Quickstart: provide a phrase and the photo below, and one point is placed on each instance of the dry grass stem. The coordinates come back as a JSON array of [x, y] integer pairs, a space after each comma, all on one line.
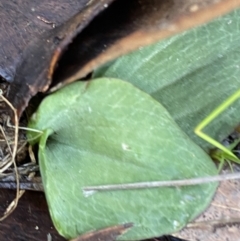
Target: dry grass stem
[[23, 128], [6, 140], [4, 162], [13, 152], [32, 174]]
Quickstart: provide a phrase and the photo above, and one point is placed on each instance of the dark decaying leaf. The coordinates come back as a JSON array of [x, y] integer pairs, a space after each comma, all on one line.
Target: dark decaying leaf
[[128, 25], [22, 21], [122, 27], [38, 60]]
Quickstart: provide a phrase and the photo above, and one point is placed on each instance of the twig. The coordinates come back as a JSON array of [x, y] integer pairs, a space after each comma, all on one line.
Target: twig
[[22, 170], [214, 223], [31, 185], [225, 207], [155, 184]]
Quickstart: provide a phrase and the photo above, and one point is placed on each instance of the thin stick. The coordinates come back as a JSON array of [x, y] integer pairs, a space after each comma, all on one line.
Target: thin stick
[[23, 185], [225, 207], [22, 170], [213, 223], [155, 184], [13, 205]]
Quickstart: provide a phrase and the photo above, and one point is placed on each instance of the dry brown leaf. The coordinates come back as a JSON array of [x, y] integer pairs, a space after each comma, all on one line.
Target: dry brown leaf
[[106, 234]]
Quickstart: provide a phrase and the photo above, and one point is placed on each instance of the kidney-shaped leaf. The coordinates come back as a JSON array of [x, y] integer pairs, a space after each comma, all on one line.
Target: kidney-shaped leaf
[[109, 132]]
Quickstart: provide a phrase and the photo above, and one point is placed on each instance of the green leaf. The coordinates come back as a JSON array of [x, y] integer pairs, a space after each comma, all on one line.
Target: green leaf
[[110, 132], [190, 74]]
